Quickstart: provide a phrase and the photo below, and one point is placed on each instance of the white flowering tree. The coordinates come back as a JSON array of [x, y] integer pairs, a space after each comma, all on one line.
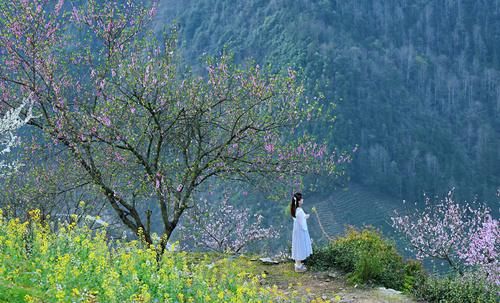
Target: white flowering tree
[[223, 227], [10, 122]]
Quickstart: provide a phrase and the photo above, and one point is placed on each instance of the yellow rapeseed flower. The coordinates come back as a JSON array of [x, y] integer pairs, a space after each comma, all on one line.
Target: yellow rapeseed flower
[[75, 292], [34, 214], [60, 295], [240, 290], [220, 295]]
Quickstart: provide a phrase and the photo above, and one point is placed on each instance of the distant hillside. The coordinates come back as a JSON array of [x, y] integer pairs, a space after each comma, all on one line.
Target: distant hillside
[[417, 82]]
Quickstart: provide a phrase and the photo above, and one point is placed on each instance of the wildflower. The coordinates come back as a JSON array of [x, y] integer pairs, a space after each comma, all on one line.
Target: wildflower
[[75, 292], [220, 295]]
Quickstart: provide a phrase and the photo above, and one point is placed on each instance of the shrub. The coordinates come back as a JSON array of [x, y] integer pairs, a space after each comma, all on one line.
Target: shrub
[[367, 257], [414, 275], [460, 289]]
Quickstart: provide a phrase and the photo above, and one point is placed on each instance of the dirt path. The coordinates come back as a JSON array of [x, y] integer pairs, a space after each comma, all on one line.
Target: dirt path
[[329, 286]]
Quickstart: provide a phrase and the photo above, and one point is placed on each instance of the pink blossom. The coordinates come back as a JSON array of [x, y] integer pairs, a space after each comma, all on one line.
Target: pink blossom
[[222, 227], [269, 147], [102, 83], [179, 188], [105, 120], [59, 124], [460, 234], [58, 6], [15, 28], [110, 26], [119, 158], [75, 14], [158, 180], [154, 9]]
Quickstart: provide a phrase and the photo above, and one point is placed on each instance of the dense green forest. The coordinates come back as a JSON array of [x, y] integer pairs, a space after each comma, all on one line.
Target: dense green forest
[[416, 83]]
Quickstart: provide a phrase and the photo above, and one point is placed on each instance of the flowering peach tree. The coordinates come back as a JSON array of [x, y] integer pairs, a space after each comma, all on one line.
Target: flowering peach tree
[[223, 227], [111, 94], [461, 234]]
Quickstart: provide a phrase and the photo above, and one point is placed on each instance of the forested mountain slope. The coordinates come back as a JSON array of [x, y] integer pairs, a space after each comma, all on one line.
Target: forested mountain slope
[[417, 83]]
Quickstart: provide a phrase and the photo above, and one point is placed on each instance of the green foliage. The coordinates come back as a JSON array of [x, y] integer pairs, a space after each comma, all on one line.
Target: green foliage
[[459, 289], [367, 257], [414, 275], [11, 293]]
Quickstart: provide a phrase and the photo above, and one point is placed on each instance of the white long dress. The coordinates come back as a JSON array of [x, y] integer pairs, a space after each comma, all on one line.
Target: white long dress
[[301, 242]]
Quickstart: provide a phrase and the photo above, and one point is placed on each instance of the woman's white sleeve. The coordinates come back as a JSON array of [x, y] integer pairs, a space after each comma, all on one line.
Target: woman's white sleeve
[[301, 218]]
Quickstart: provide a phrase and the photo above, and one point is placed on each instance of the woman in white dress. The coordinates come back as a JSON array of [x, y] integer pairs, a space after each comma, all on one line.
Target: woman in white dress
[[301, 242]]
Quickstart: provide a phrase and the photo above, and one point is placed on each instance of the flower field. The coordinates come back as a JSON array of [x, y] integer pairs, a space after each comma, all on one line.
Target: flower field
[[75, 264]]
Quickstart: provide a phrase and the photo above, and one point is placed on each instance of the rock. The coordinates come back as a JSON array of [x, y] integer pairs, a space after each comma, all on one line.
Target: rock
[[333, 275], [389, 291], [324, 297], [327, 280], [268, 260], [232, 257]]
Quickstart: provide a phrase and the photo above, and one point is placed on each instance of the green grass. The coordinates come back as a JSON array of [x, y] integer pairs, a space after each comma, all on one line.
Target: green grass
[[14, 293]]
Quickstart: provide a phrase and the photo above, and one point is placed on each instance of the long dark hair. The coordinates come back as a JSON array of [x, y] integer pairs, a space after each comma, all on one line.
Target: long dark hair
[[295, 203]]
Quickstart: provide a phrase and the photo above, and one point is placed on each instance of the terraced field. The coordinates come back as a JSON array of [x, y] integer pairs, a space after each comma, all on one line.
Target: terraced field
[[355, 206]]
